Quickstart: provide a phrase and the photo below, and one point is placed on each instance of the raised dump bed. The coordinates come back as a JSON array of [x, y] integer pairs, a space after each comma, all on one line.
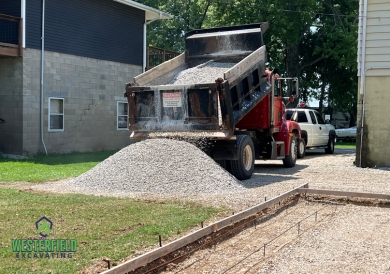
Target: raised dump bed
[[208, 88]]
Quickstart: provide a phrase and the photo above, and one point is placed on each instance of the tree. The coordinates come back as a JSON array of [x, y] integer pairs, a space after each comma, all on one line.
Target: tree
[[187, 15], [308, 39]]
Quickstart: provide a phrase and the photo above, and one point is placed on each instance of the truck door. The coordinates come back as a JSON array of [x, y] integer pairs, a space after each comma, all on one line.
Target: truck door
[[324, 131], [303, 120], [316, 130]]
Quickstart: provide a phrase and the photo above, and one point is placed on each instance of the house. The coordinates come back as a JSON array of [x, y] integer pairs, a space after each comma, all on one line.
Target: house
[[63, 70], [373, 139]]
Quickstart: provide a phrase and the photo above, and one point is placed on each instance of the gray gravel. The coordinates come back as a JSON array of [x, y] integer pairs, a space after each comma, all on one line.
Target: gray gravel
[[319, 170], [202, 74], [159, 166]]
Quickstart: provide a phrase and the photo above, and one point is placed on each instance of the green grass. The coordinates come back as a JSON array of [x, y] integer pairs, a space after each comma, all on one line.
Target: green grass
[[44, 168], [103, 226], [350, 145]]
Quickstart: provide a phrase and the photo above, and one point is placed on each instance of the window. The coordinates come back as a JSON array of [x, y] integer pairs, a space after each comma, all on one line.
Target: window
[[302, 117], [292, 115], [313, 118], [319, 118], [121, 115], [56, 114]]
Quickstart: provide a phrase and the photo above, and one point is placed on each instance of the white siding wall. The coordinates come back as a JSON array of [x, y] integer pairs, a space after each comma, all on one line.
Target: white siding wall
[[377, 38]]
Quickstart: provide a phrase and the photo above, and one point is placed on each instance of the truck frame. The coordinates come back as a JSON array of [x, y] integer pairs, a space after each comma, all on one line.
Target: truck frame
[[241, 114]]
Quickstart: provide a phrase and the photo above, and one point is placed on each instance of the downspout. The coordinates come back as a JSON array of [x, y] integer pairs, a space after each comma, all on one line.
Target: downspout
[[363, 77], [144, 53], [42, 70], [23, 16]]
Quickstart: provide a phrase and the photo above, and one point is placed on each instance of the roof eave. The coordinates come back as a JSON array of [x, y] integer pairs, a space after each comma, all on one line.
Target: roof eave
[[151, 14]]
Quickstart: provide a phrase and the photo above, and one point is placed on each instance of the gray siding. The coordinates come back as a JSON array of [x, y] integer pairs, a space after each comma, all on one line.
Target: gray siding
[[101, 29], [33, 23], [377, 53]]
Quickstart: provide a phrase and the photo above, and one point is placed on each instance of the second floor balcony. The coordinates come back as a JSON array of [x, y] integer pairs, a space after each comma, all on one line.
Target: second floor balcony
[[11, 36]]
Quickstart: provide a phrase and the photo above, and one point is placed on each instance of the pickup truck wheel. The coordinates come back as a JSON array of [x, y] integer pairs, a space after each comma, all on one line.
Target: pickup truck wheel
[[301, 148], [291, 159], [243, 168], [330, 148]]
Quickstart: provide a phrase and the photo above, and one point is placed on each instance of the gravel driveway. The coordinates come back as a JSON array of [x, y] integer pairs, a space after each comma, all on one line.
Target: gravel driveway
[[352, 239], [319, 170]]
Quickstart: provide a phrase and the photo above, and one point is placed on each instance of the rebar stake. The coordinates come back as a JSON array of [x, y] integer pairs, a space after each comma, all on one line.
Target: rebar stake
[[159, 240], [107, 260]]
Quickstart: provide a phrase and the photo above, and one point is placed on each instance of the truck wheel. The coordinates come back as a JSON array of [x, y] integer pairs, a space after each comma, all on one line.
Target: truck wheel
[[291, 159], [301, 148], [330, 148], [225, 164], [243, 168]]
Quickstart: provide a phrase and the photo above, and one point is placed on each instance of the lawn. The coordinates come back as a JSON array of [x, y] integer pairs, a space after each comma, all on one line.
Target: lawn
[[53, 167], [351, 145], [102, 226]]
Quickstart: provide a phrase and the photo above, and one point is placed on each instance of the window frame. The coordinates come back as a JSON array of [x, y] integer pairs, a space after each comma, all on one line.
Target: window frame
[[49, 114], [122, 115]]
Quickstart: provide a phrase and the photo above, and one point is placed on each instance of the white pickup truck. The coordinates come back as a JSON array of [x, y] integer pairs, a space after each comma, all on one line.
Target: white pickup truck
[[316, 133]]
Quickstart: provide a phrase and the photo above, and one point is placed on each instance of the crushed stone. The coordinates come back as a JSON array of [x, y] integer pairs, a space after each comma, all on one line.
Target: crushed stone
[[160, 166]]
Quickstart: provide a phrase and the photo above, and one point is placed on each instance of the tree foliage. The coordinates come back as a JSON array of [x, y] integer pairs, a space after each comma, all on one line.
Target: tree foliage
[[313, 40]]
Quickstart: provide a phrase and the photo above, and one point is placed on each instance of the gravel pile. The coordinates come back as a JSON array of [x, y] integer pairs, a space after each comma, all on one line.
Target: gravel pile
[[335, 172], [159, 166], [202, 74]]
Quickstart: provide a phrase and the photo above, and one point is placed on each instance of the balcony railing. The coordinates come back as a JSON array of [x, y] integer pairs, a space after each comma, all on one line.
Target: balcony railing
[[156, 56], [11, 35]]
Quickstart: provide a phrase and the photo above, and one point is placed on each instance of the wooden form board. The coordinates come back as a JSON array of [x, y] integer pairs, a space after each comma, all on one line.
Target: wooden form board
[[248, 62], [165, 250], [344, 193], [160, 70]]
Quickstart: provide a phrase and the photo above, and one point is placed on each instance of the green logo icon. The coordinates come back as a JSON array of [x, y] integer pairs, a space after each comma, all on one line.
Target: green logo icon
[[44, 226]]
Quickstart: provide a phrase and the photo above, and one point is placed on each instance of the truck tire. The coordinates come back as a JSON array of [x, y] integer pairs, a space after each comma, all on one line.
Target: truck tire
[[225, 164], [243, 168], [291, 159], [330, 147], [301, 148]]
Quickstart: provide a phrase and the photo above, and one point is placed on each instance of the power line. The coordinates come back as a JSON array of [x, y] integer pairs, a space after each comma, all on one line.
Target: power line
[[334, 14]]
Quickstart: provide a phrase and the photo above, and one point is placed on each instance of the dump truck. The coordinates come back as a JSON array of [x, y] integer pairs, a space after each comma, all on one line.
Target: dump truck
[[240, 111]]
